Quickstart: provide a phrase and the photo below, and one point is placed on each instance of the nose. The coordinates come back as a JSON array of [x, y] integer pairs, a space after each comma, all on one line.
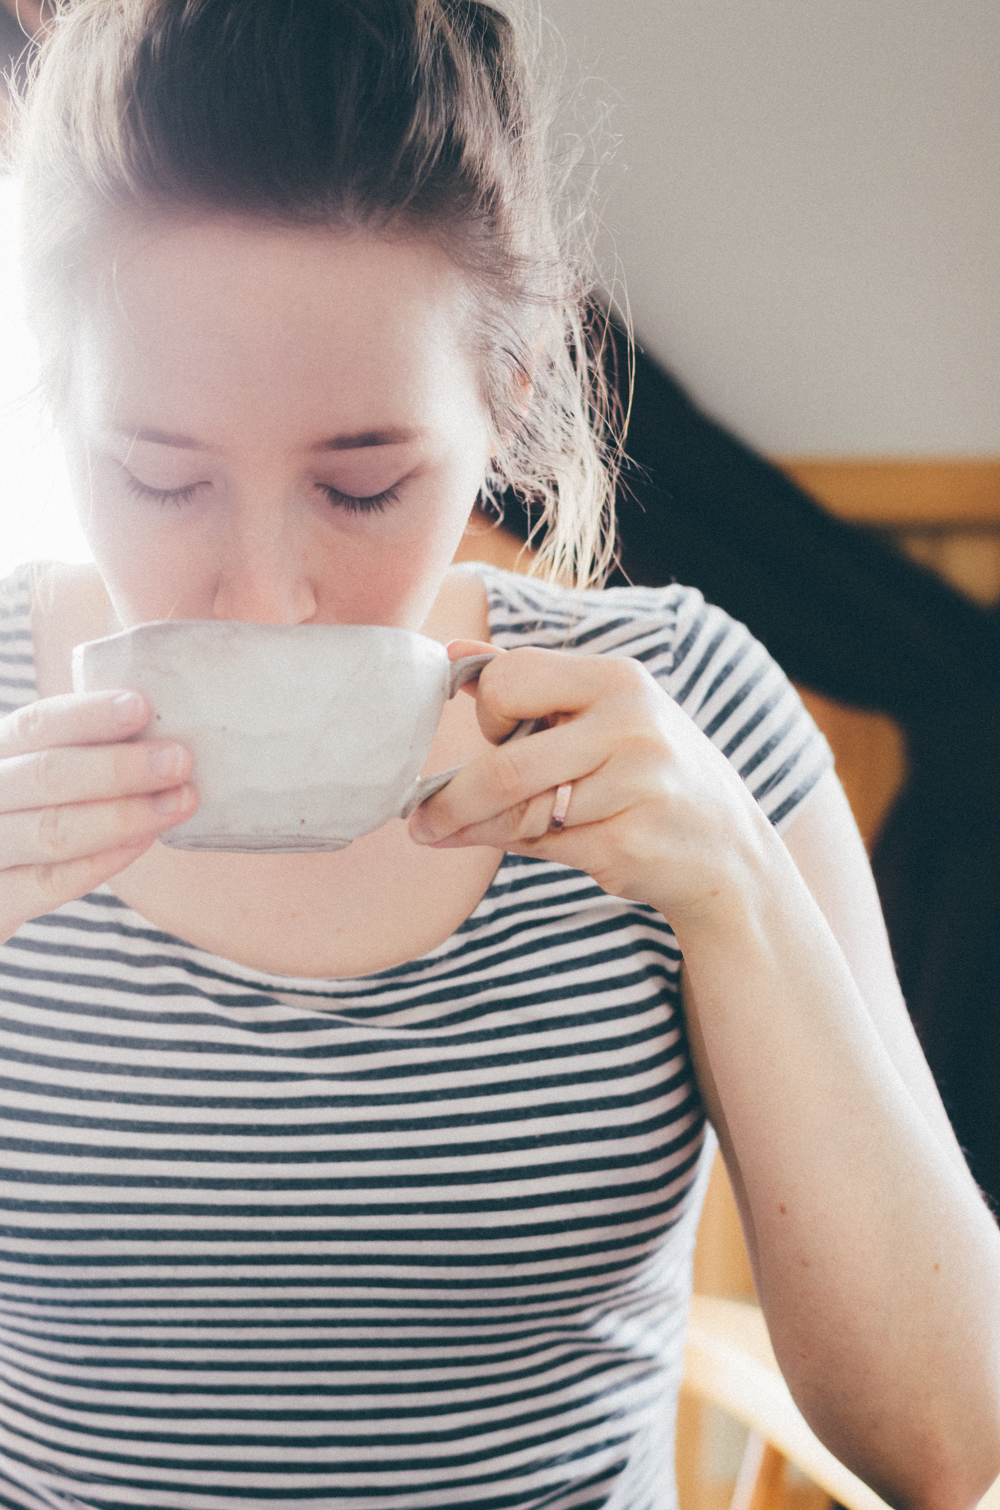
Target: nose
[[263, 575]]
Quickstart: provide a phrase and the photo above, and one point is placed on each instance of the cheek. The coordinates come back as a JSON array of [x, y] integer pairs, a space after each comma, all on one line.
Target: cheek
[[147, 567], [147, 580], [391, 572]]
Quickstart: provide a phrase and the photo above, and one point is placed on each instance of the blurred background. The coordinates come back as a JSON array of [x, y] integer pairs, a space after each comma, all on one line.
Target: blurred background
[[804, 204], [802, 211], [798, 203]]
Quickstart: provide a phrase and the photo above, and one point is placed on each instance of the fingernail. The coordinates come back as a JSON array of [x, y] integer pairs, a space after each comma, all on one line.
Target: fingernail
[[166, 760], [421, 828], [172, 801], [128, 707]]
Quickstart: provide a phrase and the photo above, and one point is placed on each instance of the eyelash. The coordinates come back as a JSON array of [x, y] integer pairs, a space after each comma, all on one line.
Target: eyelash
[[377, 503], [176, 496]]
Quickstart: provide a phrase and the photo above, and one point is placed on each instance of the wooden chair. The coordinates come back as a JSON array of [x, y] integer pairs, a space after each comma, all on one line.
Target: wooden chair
[[729, 1366], [728, 1362]]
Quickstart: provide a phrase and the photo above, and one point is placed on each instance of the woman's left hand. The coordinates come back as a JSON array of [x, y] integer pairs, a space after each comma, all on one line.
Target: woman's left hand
[[657, 814]]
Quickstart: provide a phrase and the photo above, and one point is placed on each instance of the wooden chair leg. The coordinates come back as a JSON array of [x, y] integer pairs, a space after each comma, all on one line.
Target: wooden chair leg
[[761, 1481]]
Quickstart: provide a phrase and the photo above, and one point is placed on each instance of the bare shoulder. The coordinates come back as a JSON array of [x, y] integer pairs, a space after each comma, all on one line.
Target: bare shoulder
[[69, 604], [460, 611]]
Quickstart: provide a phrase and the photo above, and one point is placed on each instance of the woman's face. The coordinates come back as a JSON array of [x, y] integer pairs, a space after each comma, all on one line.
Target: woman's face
[[278, 425]]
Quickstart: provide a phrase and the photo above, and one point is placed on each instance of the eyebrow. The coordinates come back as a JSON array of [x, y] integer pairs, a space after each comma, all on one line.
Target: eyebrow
[[363, 441], [366, 439]]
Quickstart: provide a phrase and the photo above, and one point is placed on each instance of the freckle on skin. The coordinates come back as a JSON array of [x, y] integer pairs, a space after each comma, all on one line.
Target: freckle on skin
[[805, 1263], [937, 1268], [783, 1210]]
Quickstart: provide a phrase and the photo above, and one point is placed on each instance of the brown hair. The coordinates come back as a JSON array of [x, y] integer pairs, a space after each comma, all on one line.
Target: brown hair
[[394, 115]]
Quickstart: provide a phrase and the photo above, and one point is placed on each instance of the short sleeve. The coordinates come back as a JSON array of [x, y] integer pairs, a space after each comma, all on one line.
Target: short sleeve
[[742, 700], [709, 663]]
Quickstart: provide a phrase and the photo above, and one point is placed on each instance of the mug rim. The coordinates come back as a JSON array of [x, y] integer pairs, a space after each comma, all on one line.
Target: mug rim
[[254, 626]]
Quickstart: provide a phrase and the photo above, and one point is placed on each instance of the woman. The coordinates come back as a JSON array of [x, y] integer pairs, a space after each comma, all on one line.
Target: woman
[[371, 1178]]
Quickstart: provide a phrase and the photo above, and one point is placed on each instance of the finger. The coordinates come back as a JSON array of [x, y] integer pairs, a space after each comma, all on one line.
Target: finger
[[527, 824], [73, 719], [91, 773], [33, 890], [524, 824], [507, 780], [529, 683], [459, 649], [53, 835]]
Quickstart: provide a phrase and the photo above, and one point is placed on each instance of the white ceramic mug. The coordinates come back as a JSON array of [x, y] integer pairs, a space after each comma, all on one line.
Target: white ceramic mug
[[304, 736]]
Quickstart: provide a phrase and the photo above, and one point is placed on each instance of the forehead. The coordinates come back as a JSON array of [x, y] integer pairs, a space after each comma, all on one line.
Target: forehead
[[230, 318]]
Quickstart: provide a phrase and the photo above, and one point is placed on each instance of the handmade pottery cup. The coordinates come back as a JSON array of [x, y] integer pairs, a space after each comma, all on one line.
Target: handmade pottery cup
[[304, 737]]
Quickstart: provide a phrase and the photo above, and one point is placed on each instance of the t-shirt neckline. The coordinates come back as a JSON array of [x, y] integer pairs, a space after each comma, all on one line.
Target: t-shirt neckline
[[304, 987]]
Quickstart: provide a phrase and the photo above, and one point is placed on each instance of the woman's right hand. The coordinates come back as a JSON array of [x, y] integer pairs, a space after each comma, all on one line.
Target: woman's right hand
[[77, 802]]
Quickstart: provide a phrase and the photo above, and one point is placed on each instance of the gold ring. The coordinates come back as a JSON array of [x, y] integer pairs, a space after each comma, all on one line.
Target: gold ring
[[561, 807]]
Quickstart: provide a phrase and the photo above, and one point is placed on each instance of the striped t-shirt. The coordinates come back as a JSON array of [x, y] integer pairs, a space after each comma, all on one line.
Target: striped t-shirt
[[419, 1240]]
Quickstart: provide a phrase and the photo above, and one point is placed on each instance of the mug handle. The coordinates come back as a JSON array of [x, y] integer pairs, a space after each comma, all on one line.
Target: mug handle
[[462, 671], [466, 669]]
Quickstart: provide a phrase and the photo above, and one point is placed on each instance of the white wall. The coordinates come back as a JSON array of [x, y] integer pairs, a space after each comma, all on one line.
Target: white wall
[[806, 203]]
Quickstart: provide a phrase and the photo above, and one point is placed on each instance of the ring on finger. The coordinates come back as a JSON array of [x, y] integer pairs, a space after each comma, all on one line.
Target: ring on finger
[[560, 807]]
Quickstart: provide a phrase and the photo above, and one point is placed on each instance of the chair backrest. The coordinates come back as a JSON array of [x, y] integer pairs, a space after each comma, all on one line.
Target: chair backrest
[[729, 1363]]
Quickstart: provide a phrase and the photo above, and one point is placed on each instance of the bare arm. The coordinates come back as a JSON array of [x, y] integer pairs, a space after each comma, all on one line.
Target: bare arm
[[859, 1210]]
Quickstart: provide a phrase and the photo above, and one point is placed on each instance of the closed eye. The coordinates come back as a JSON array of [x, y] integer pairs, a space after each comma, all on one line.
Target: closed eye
[[177, 496], [375, 503]]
